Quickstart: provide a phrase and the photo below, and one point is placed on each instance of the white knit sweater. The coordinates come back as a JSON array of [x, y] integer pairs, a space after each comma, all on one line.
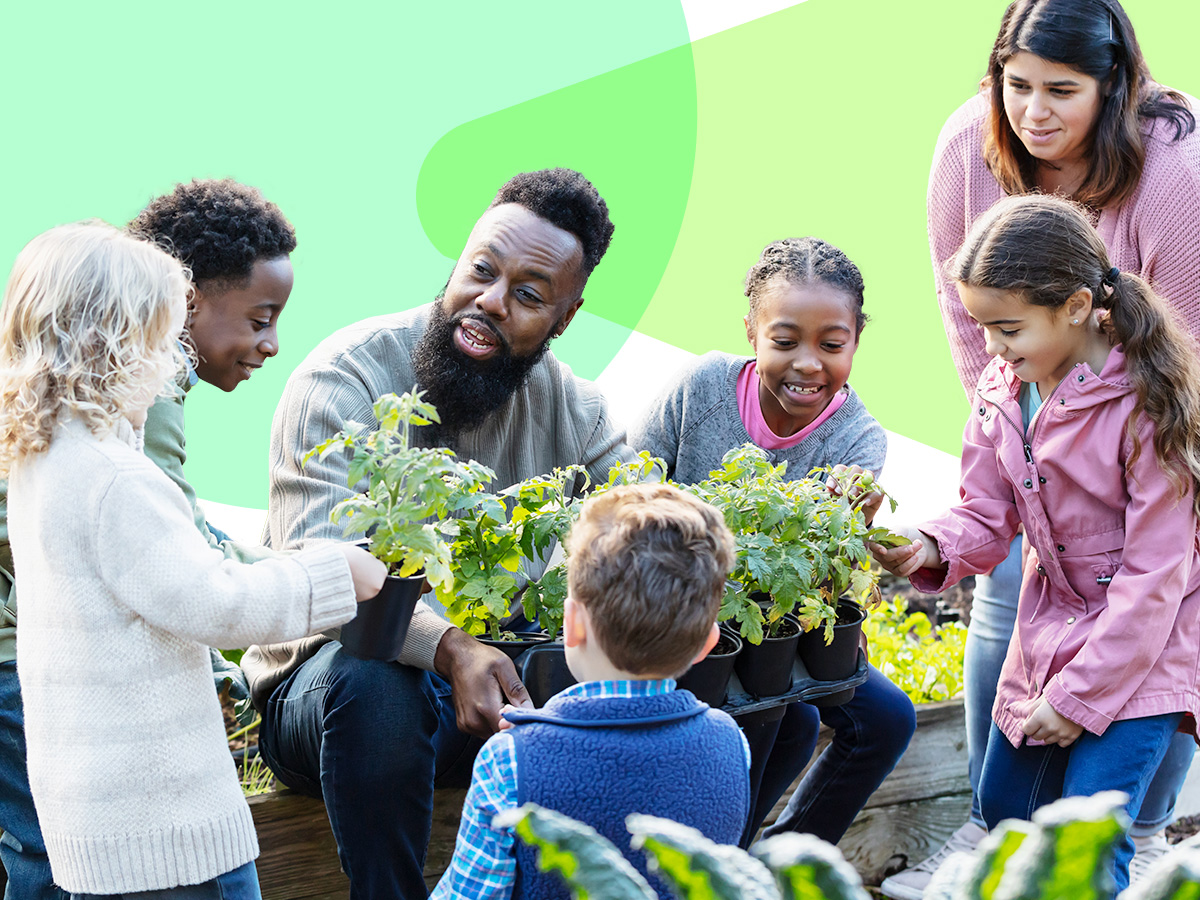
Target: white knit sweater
[[120, 598]]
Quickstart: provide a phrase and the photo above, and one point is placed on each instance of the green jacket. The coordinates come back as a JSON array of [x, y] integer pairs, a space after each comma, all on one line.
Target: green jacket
[[164, 445]]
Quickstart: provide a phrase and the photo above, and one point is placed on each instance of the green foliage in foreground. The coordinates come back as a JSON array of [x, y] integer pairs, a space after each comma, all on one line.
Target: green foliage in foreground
[[924, 662], [1063, 854]]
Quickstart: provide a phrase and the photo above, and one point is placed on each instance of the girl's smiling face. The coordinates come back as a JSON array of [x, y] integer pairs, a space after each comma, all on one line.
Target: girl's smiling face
[[804, 337], [1040, 344]]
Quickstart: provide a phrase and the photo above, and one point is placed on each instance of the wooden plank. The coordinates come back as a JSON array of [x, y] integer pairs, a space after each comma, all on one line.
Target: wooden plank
[[886, 839], [298, 859], [298, 855]]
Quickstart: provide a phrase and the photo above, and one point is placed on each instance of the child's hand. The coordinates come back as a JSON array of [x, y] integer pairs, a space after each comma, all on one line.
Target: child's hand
[[367, 571], [1050, 727], [504, 723], [922, 553], [868, 501]]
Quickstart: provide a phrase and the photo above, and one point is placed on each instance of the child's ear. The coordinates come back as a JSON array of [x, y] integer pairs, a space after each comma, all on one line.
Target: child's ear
[[1079, 304], [709, 643], [749, 331], [575, 623]]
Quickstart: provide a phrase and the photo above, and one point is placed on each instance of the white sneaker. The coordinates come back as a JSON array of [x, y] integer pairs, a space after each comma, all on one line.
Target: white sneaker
[[1147, 851], [910, 884]]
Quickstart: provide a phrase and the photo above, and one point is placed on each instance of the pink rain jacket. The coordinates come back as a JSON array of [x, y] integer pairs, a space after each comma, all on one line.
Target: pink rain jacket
[[1108, 624]]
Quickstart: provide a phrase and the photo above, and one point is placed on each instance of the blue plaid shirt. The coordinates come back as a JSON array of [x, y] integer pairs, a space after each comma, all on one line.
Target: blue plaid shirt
[[484, 865]]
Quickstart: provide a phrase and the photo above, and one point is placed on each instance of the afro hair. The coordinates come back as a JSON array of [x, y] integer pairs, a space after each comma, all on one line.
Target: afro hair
[[217, 227], [567, 200]]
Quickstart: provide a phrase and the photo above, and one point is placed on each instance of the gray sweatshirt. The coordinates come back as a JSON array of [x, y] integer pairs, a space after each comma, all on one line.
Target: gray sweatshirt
[[695, 422]]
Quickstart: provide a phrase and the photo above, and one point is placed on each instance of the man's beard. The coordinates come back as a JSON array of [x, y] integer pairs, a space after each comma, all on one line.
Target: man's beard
[[466, 390]]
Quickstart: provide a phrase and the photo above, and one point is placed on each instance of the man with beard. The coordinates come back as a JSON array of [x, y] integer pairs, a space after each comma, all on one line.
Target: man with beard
[[372, 737]]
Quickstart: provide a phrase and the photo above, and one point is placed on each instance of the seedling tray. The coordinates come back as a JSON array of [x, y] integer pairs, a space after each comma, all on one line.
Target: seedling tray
[[738, 702], [804, 688]]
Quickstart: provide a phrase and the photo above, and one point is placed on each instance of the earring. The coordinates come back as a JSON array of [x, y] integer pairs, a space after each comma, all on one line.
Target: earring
[[1074, 321]]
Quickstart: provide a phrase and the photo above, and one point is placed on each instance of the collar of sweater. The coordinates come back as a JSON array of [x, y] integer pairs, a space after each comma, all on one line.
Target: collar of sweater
[[71, 422]]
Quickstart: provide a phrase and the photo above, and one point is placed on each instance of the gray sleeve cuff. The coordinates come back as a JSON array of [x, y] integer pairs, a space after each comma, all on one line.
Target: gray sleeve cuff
[[424, 635]]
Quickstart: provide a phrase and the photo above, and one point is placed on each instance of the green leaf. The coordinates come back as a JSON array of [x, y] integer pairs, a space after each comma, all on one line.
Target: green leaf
[[695, 867], [589, 865], [807, 868]]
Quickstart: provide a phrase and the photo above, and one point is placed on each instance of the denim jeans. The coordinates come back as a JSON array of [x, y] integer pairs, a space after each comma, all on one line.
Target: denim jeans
[[21, 848], [240, 884], [870, 734], [993, 615], [1018, 780], [370, 738]]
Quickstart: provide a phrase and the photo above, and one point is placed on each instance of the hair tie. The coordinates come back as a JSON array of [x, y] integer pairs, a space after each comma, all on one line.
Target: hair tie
[[1113, 274]]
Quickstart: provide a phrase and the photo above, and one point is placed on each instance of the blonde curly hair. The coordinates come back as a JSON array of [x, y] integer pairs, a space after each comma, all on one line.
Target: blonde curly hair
[[90, 323]]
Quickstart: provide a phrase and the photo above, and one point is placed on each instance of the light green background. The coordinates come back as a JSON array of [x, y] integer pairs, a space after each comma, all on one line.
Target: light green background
[[382, 129]]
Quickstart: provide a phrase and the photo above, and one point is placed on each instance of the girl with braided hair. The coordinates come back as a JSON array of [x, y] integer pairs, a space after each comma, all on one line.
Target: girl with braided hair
[[792, 399]]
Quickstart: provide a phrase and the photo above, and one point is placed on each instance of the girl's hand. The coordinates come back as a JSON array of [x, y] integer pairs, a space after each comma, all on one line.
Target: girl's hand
[[1050, 727], [367, 571], [868, 501], [922, 553]]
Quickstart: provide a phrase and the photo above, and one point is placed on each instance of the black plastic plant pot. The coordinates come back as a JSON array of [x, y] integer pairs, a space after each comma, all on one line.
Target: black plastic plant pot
[[380, 626], [544, 671], [709, 678], [522, 641], [766, 669], [839, 659]]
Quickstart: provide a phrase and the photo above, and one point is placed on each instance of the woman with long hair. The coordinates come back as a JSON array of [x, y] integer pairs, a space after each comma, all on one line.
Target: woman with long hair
[[1067, 107]]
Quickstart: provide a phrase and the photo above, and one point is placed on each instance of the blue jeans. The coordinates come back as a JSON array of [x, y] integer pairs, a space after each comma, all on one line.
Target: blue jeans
[[240, 884], [370, 738], [21, 848], [993, 615], [870, 734], [1018, 780]]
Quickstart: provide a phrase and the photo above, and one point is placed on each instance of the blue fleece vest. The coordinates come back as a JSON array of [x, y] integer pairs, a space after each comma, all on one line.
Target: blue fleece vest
[[599, 759]]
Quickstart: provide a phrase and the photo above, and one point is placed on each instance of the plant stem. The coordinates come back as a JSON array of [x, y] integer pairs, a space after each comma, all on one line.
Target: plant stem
[[494, 625], [241, 732]]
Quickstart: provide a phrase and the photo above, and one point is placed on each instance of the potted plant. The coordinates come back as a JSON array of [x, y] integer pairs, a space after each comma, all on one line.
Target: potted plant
[[799, 549], [407, 487]]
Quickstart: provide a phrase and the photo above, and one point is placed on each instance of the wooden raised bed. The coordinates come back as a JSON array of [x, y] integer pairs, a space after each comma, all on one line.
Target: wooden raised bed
[[299, 861]]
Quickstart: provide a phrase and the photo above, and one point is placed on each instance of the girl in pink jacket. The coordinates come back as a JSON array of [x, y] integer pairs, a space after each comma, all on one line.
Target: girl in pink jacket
[[1086, 429]]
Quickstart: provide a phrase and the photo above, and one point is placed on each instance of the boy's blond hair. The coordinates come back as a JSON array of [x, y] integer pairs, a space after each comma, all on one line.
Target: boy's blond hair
[[649, 564], [86, 324]]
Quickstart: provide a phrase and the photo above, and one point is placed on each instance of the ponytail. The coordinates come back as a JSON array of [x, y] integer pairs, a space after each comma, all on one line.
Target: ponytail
[[1165, 371], [1045, 249]]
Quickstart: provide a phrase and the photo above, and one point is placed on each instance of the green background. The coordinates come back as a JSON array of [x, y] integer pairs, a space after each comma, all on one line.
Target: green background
[[383, 129]]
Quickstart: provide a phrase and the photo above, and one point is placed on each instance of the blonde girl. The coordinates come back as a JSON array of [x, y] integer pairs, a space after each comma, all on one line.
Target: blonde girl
[[1086, 430], [121, 595]]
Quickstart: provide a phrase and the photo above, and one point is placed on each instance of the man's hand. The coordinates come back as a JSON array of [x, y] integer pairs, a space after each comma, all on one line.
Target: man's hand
[[482, 680], [1050, 727], [922, 553]]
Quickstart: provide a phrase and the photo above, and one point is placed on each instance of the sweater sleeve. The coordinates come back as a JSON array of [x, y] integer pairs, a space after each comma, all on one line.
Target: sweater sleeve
[[947, 219], [606, 446], [1147, 589], [974, 536], [155, 562]]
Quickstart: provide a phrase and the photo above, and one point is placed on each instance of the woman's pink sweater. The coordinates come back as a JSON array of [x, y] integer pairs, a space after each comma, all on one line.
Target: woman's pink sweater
[[1155, 232]]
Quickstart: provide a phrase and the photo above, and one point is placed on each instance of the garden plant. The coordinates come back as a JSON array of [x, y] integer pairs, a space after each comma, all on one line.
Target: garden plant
[[1063, 854]]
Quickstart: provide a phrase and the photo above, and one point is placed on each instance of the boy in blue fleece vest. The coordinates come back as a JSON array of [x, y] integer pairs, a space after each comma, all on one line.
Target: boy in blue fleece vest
[[647, 569]]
